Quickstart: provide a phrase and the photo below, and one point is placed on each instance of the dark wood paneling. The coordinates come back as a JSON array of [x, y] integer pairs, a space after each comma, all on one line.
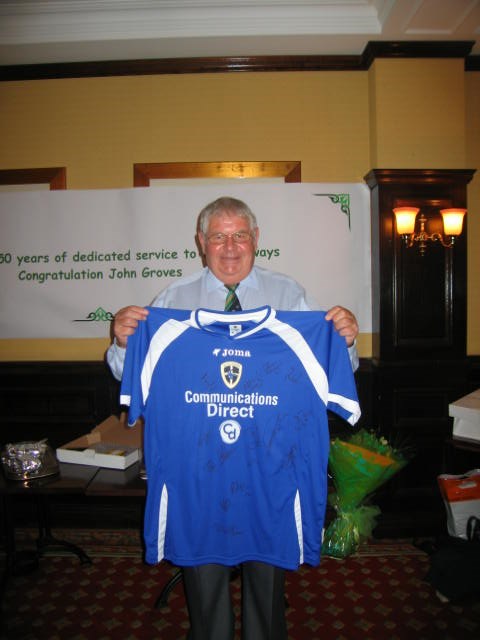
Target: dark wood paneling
[[416, 49], [58, 401], [413, 401], [419, 302], [472, 63], [408, 403], [56, 177], [373, 50], [419, 347]]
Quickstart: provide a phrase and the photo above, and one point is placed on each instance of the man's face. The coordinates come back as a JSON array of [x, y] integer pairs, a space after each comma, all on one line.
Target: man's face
[[229, 261]]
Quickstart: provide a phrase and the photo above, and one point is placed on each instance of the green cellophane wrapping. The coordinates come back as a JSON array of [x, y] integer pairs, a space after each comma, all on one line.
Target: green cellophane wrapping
[[359, 466], [348, 530]]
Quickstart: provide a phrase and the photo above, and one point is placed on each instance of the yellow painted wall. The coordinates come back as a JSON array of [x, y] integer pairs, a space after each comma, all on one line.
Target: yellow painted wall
[[99, 127], [338, 124], [418, 114], [473, 161]]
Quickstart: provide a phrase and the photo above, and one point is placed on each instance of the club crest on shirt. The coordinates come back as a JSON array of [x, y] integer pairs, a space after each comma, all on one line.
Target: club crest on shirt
[[231, 373]]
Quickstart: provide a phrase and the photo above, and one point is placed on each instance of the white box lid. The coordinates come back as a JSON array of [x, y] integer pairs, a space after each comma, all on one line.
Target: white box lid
[[466, 407]]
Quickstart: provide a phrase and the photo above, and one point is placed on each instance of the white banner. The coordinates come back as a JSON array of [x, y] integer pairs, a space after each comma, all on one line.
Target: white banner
[[71, 259]]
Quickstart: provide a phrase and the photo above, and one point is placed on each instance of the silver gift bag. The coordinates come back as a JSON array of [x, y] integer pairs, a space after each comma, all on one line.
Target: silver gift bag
[[28, 460]]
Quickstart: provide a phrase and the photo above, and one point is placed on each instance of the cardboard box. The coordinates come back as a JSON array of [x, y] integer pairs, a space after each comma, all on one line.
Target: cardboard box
[[466, 417], [111, 444]]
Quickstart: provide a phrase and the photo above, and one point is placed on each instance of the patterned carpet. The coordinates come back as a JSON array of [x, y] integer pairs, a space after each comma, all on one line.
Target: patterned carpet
[[377, 594]]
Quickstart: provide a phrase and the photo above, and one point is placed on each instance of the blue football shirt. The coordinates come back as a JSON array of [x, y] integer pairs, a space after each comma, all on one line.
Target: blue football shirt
[[236, 436]]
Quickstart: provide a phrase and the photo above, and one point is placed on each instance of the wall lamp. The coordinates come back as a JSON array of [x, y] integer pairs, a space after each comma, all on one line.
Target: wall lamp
[[406, 217]]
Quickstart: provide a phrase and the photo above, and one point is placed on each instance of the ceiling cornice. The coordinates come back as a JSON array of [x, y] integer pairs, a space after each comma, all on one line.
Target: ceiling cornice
[[38, 21], [373, 50]]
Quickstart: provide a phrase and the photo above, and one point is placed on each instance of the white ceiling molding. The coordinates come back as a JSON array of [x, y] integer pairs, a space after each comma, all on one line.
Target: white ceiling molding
[[36, 31], [28, 21]]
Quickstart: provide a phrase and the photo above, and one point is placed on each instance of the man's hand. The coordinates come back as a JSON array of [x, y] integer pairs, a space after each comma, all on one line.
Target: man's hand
[[344, 322], [125, 323]]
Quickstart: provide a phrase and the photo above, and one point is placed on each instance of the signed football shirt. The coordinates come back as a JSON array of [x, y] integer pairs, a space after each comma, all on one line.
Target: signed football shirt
[[236, 431]]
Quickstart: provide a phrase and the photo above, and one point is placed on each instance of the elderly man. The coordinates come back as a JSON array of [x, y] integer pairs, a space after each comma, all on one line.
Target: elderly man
[[228, 236]]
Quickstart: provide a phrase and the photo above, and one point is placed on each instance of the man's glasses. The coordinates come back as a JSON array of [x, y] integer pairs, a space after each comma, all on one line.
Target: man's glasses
[[239, 237]]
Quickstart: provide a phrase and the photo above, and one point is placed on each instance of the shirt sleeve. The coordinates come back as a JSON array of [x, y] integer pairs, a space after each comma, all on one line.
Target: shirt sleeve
[[115, 359], [353, 353]]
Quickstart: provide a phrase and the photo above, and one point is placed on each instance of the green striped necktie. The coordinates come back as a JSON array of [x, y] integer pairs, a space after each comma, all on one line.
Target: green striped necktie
[[232, 303]]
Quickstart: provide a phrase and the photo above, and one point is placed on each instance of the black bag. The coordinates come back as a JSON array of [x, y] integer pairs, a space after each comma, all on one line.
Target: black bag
[[455, 566], [473, 529]]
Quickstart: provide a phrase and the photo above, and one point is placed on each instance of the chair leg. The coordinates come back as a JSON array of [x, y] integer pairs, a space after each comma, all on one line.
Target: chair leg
[[162, 600]]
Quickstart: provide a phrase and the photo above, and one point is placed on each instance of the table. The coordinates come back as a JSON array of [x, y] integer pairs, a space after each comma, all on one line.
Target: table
[[72, 479], [115, 482]]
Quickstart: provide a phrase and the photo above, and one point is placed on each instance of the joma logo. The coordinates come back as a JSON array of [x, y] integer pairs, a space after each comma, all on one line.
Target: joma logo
[[232, 353]]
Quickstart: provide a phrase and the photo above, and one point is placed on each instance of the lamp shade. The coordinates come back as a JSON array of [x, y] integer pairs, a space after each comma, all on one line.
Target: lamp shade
[[453, 221], [405, 218]]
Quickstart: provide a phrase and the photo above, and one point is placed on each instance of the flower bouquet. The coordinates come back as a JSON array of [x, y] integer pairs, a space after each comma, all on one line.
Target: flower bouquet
[[359, 466]]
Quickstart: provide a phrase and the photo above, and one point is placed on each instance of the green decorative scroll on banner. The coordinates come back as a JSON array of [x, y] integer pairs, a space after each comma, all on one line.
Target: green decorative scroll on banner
[[99, 315], [339, 198]]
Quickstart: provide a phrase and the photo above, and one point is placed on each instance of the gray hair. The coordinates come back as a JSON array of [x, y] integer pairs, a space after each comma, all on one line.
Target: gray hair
[[225, 204]]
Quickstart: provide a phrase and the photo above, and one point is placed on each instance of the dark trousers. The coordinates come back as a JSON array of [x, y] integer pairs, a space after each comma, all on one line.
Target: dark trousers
[[207, 591]]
